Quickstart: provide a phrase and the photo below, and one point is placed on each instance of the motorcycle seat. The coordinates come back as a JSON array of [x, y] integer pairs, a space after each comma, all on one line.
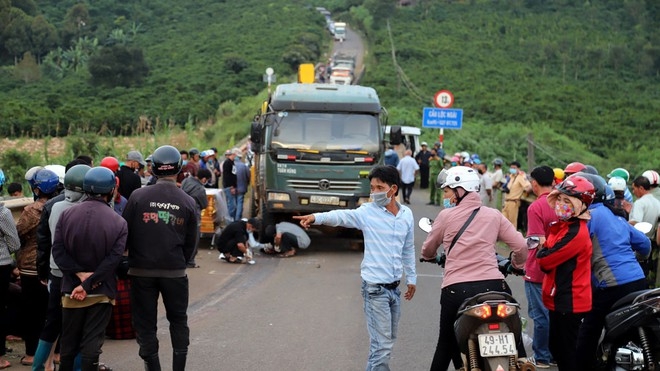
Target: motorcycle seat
[[487, 296], [627, 299]]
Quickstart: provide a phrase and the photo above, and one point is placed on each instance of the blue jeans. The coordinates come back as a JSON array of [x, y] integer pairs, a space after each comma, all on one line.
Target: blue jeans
[[239, 206], [231, 203], [539, 314], [382, 309]]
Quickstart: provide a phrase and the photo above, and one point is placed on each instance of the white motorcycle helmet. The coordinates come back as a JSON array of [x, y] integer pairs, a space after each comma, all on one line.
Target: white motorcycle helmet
[[617, 183], [460, 176], [57, 169], [652, 176]]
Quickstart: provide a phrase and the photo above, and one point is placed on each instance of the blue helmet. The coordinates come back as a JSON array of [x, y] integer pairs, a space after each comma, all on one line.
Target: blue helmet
[[2, 177], [46, 181], [609, 195], [99, 180]]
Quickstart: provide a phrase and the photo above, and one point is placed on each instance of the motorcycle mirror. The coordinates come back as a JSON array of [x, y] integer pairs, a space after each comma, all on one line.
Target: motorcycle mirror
[[644, 227], [425, 224]]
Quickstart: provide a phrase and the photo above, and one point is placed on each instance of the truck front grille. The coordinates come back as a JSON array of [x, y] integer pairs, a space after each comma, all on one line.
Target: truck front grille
[[324, 185]]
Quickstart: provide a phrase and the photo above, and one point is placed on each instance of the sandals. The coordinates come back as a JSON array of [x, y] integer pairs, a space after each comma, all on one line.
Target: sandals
[[4, 364], [24, 362]]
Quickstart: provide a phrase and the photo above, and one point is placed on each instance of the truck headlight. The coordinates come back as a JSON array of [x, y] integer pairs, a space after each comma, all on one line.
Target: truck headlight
[[273, 196]]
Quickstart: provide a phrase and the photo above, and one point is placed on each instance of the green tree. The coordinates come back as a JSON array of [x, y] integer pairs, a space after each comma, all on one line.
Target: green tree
[[28, 6], [77, 23], [27, 69], [43, 36], [235, 62], [118, 66], [16, 34]]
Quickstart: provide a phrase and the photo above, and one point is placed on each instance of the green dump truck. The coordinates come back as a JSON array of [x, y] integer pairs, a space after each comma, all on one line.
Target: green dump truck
[[314, 146]]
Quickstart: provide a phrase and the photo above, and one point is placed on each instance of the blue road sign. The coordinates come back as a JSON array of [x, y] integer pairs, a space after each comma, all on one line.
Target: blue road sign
[[442, 118]]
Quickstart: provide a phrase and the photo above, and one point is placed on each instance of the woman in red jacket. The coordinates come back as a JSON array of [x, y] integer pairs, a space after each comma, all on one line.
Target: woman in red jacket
[[565, 257]]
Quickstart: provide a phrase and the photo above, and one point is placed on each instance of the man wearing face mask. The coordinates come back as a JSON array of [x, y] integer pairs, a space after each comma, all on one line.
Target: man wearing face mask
[[517, 185], [389, 251], [471, 264]]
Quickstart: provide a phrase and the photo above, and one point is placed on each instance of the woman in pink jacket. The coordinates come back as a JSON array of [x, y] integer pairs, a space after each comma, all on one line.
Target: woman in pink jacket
[[471, 265]]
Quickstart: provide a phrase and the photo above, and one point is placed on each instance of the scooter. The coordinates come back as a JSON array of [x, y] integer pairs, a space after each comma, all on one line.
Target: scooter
[[488, 326], [631, 339]]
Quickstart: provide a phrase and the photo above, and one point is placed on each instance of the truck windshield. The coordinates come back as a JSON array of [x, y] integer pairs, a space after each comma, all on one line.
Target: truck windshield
[[323, 131]]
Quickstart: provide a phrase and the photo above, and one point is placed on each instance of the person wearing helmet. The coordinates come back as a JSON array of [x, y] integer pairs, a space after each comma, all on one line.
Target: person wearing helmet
[[574, 167], [89, 242], [614, 266], [517, 185], [470, 266], [9, 244], [47, 270], [389, 252], [34, 295], [625, 175], [619, 205], [565, 257], [653, 178], [646, 209], [111, 163], [159, 248], [559, 175]]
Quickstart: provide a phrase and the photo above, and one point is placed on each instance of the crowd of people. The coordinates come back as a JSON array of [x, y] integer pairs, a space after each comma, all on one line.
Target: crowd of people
[[588, 254], [84, 250], [80, 265]]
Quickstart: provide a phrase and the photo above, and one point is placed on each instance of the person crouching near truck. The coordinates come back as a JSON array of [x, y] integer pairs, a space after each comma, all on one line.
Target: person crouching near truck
[[389, 251]]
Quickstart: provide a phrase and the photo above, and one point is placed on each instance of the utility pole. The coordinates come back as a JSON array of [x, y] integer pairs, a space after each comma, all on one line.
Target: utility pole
[[531, 162]]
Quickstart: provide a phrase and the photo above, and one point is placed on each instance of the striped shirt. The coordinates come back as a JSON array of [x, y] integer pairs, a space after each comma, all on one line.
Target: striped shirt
[[9, 241], [389, 248]]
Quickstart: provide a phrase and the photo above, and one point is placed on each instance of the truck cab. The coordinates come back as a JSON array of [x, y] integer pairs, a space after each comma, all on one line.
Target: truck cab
[[340, 31], [315, 145]]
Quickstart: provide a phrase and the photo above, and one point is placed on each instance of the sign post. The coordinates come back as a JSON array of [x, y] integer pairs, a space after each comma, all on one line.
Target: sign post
[[443, 99]]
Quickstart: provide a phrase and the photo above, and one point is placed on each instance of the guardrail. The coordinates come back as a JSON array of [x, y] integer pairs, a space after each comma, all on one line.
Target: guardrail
[[16, 205]]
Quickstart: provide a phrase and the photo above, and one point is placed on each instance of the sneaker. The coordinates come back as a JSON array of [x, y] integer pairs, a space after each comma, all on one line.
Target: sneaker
[[538, 364], [222, 257]]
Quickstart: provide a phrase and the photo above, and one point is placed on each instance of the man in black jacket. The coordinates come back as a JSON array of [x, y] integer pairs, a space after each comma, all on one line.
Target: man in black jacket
[[90, 240], [129, 180], [162, 231]]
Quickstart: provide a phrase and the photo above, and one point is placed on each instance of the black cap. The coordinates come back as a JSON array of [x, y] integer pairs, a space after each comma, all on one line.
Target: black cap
[[544, 175]]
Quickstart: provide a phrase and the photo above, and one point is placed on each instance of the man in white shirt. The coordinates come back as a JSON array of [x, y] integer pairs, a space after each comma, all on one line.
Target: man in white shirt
[[408, 169]]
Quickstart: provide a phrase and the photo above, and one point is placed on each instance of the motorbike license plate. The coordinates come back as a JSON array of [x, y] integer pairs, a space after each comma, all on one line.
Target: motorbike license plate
[[324, 200], [496, 345]]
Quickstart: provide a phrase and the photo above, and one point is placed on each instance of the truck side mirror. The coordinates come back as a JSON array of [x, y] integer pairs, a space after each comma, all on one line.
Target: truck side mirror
[[396, 137], [255, 136]]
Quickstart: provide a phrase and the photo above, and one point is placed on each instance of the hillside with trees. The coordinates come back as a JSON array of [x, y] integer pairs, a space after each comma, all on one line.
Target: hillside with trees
[[582, 77]]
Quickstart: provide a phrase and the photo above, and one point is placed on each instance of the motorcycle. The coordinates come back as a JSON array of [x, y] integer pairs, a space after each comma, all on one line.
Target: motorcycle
[[631, 339], [631, 336], [488, 327]]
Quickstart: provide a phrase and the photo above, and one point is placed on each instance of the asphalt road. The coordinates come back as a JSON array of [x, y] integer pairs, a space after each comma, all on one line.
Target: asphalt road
[[301, 313]]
